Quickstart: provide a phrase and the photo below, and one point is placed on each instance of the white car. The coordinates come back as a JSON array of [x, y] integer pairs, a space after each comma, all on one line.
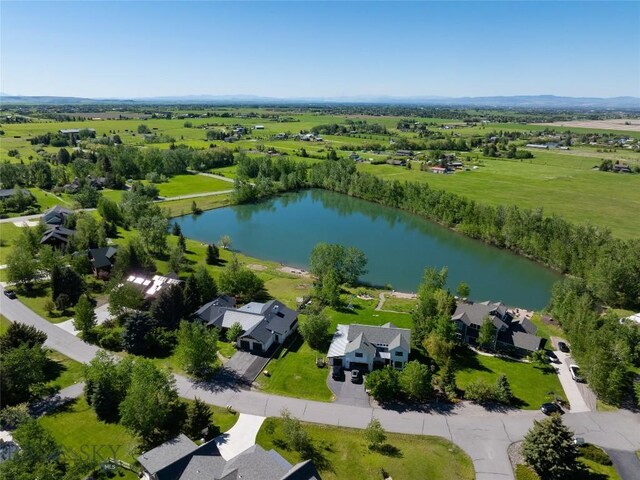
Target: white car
[[575, 373]]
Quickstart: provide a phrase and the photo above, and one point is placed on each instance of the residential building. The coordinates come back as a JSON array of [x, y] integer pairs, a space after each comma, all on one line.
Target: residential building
[[57, 236], [6, 193], [102, 260], [263, 324], [150, 287], [368, 346], [182, 459], [517, 336], [75, 131], [56, 215]]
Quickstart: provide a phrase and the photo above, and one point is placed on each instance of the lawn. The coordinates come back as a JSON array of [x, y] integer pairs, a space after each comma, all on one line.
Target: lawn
[[77, 429], [176, 208], [9, 233], [341, 453], [4, 324], [189, 184], [36, 297], [63, 371], [545, 330], [561, 184], [293, 372], [530, 385]]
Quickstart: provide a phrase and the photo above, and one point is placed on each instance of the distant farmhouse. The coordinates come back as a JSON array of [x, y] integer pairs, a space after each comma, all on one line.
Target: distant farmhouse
[[6, 193], [367, 346], [263, 324], [511, 336], [181, 459]]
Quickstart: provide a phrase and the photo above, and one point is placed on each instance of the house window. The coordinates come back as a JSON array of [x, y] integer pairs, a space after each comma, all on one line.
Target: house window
[[399, 354], [358, 355]]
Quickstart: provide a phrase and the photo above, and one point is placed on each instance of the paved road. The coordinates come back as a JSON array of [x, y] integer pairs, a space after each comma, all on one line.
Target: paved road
[[213, 175], [193, 195], [484, 435]]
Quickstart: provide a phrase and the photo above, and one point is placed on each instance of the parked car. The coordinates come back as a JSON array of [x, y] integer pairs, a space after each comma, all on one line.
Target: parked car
[[550, 408], [553, 358], [336, 372], [563, 347], [11, 294], [575, 373], [356, 377]]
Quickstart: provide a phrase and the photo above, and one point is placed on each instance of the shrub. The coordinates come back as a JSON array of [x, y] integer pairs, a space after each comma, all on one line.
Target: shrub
[[595, 454], [479, 391]]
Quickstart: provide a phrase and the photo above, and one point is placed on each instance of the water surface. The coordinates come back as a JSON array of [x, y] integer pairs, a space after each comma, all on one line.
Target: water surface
[[398, 244]]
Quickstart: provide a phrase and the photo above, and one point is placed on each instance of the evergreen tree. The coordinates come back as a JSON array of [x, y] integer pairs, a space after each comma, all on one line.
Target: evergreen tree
[[213, 254], [198, 419], [503, 390], [374, 434], [549, 449], [176, 230], [192, 299], [207, 288], [168, 308]]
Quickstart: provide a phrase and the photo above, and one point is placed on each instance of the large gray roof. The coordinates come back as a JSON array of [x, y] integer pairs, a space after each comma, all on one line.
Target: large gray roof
[[171, 456], [475, 313], [383, 335]]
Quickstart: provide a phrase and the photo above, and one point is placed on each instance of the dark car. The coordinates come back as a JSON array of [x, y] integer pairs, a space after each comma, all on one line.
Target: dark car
[[550, 408], [356, 377], [336, 372], [553, 358], [563, 347], [11, 294]]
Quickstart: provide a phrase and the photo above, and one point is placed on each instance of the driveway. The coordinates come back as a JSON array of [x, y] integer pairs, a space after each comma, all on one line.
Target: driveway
[[348, 393], [102, 315], [240, 437], [575, 392], [245, 366]]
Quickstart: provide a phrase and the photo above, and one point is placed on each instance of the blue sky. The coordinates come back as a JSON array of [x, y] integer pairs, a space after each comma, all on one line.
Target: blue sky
[[292, 49]]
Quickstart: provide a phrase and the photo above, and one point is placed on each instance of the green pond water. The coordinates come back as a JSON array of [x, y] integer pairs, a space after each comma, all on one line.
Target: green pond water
[[399, 245]]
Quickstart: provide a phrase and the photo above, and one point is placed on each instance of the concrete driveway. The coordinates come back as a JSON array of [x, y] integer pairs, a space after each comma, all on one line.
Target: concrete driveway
[[348, 393], [240, 437], [580, 397]]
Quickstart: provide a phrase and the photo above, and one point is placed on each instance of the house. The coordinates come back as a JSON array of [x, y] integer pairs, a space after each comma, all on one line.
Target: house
[[259, 127], [397, 162], [516, 336], [74, 131], [404, 153], [182, 459], [281, 136], [537, 145], [56, 236], [438, 170], [102, 259], [56, 215], [6, 193], [367, 346], [150, 287], [263, 324]]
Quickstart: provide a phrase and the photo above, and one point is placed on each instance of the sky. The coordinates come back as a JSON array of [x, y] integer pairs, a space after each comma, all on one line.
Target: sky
[[126, 49]]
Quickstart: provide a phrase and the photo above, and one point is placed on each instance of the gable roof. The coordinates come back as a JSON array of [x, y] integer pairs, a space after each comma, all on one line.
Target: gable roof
[[383, 335], [522, 340], [348, 338], [56, 215], [102, 257], [475, 313], [7, 192], [56, 234], [181, 459]]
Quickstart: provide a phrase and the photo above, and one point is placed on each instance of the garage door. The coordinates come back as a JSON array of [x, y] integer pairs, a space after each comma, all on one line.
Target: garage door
[[363, 367], [245, 345], [257, 347]]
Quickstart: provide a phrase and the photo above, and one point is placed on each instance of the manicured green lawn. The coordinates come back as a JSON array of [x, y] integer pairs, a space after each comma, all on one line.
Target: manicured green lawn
[[341, 453], [293, 372], [76, 426], [9, 233], [175, 208], [364, 312], [405, 305], [35, 299], [4, 324], [63, 371], [545, 330], [188, 184], [529, 384]]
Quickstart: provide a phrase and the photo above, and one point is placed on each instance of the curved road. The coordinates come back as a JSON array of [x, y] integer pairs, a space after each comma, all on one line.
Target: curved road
[[484, 435]]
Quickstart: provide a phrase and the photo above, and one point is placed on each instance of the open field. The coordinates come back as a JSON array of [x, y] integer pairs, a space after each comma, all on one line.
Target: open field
[[341, 453], [560, 184], [620, 124], [189, 184]]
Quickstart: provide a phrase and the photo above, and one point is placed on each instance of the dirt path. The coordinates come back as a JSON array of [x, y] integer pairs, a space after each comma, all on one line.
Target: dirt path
[[380, 302]]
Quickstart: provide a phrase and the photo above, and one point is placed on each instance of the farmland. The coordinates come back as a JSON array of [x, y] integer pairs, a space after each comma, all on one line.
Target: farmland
[[561, 182]]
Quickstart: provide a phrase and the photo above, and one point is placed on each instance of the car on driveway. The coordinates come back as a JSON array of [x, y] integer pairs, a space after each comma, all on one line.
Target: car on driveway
[[356, 376], [553, 358], [337, 373], [575, 373], [10, 294], [563, 347], [551, 408]]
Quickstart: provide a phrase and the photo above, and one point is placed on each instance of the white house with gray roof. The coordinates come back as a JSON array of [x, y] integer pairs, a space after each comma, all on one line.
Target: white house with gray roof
[[366, 346], [182, 459], [263, 324]]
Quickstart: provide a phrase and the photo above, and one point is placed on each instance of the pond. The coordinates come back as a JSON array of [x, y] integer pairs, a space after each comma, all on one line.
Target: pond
[[399, 245]]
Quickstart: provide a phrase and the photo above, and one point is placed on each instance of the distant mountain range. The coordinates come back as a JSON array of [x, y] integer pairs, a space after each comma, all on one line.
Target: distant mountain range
[[519, 101]]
